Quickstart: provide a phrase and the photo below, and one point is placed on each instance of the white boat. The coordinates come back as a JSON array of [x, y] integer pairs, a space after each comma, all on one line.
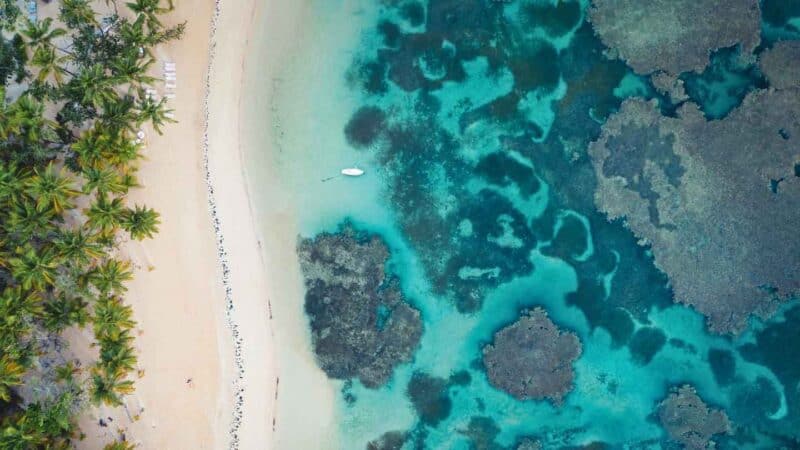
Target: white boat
[[352, 172]]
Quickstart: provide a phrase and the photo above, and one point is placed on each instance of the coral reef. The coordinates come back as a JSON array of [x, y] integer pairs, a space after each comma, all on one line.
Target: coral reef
[[529, 444], [689, 421], [716, 200], [482, 433], [361, 324], [674, 35], [430, 398], [669, 84], [532, 358], [391, 440], [781, 64]]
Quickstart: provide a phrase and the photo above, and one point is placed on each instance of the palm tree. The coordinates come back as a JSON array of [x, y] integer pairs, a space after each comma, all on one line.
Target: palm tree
[[25, 221], [112, 320], [65, 311], [18, 308], [109, 387], [129, 179], [34, 269], [67, 372], [49, 64], [78, 246], [141, 222], [111, 276], [11, 373], [153, 111], [29, 121], [105, 214], [89, 148], [76, 13], [39, 33], [11, 182], [124, 151], [7, 125], [92, 85], [103, 181], [115, 357], [150, 9], [118, 113], [51, 189], [133, 69], [133, 33]]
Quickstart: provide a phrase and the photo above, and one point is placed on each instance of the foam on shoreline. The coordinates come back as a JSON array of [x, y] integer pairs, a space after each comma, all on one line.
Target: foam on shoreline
[[238, 389]]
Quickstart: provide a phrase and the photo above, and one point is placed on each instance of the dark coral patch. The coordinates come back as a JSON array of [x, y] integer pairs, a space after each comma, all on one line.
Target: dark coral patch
[[391, 440], [502, 170], [430, 398], [460, 378], [539, 68], [369, 76], [469, 24], [645, 343], [413, 12], [391, 33], [723, 365], [482, 432], [570, 240], [365, 126], [498, 247], [555, 19]]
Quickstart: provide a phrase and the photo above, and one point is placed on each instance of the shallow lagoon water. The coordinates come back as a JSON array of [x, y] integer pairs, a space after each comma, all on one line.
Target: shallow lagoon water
[[456, 227]]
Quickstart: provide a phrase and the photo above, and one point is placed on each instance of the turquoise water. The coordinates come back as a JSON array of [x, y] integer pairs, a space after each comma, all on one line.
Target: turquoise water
[[471, 122]]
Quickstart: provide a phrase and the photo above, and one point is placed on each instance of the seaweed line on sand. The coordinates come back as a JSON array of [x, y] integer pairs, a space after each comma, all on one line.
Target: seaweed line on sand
[[238, 389]]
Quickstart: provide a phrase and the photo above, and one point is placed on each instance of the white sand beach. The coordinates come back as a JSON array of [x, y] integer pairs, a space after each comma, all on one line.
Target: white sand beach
[[202, 303]]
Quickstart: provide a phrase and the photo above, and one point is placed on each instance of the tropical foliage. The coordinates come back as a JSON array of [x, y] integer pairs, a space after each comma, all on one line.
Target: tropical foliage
[[68, 158]]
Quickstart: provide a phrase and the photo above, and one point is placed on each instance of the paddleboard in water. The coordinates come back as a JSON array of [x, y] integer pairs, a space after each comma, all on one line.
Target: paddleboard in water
[[352, 172]]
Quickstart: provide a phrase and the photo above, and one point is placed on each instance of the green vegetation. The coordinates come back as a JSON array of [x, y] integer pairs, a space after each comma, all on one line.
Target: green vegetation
[[68, 157]]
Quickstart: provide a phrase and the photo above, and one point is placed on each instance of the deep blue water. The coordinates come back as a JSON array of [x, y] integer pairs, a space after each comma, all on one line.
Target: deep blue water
[[472, 120]]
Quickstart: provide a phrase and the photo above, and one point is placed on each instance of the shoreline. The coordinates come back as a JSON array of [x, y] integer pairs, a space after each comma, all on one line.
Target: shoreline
[[306, 394], [246, 321], [238, 363]]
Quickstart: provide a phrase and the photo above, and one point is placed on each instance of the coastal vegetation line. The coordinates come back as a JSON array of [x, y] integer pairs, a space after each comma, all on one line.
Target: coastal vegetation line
[[75, 101]]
